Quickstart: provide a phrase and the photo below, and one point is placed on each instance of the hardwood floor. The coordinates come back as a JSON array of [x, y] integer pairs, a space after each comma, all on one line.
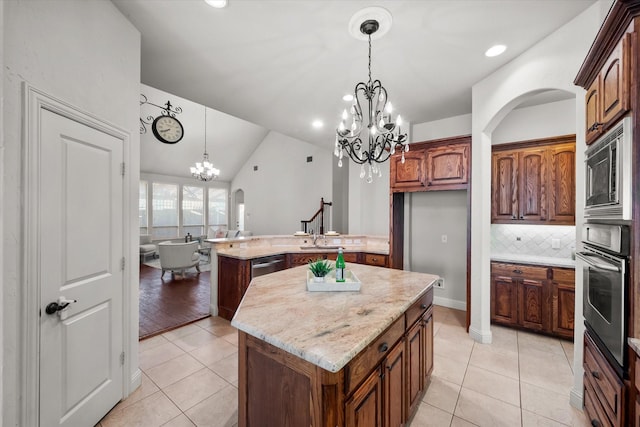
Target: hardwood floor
[[169, 303]]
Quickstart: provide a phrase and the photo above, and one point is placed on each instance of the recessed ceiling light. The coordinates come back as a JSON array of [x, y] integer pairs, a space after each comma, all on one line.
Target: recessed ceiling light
[[317, 124], [348, 97], [218, 4], [495, 50]]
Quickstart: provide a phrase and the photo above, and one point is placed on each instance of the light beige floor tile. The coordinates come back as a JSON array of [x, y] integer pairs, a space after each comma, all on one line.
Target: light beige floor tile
[[231, 338], [153, 410], [227, 368], [195, 388], [149, 343], [531, 341], [546, 403], [195, 340], [567, 346], [529, 419], [453, 348], [182, 332], [459, 422], [455, 318], [500, 362], [546, 370], [147, 388], [430, 416], [160, 354], [448, 369], [216, 350], [436, 327], [483, 410], [179, 421], [442, 394], [504, 339], [174, 370], [212, 321], [454, 333], [221, 330], [493, 385], [219, 410]]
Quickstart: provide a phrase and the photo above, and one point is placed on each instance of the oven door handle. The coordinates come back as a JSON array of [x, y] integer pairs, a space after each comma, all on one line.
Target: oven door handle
[[596, 261]]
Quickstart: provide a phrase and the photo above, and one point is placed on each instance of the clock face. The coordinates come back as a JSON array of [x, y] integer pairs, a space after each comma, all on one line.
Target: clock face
[[167, 129]]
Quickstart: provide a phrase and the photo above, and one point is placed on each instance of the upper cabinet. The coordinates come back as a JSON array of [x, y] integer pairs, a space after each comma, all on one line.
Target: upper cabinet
[[431, 166], [607, 98], [534, 182]]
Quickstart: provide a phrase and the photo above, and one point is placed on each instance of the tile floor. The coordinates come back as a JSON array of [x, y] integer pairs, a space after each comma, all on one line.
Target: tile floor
[[521, 379]]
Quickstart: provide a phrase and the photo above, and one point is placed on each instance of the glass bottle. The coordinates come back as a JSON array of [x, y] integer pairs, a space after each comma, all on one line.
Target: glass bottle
[[340, 265]]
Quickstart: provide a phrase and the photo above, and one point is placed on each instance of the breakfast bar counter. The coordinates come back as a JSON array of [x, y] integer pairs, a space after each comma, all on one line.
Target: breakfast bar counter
[[350, 355]]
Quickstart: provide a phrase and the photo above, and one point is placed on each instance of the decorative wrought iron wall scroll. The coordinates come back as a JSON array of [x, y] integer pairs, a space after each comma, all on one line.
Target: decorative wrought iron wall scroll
[[166, 110]]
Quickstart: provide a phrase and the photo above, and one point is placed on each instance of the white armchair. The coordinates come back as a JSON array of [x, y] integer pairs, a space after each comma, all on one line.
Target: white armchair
[[178, 256], [147, 247]]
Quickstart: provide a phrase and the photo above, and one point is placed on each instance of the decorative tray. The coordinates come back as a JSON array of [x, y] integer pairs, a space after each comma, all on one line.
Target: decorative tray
[[351, 283]]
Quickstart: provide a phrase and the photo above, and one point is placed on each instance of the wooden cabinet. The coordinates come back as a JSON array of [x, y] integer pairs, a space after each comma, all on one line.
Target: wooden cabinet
[[607, 98], [563, 295], [381, 387], [298, 259], [432, 166], [535, 298], [375, 259], [604, 391], [234, 276], [534, 183]]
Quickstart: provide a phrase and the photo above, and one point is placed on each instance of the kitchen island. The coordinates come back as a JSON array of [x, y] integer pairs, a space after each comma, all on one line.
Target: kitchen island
[[334, 358]]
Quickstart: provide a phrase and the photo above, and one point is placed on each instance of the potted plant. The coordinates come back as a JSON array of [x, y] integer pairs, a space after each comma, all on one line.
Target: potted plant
[[319, 268]]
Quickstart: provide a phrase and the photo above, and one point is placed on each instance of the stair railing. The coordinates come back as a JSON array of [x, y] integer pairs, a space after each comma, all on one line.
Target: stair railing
[[316, 223]]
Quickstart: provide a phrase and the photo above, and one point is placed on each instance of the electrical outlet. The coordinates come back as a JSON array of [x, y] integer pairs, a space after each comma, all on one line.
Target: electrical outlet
[[555, 243], [444, 238], [518, 238], [439, 283]]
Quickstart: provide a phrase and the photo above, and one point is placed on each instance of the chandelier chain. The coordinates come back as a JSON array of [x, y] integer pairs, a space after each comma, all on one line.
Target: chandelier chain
[[369, 58]]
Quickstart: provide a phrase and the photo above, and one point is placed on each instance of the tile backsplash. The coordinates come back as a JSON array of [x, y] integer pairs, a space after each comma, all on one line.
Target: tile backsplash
[[535, 240]]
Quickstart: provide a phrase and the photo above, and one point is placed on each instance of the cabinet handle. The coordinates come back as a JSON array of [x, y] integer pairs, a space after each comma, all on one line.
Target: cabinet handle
[[513, 217], [595, 374], [517, 271], [521, 217], [423, 306], [595, 423], [383, 347], [594, 126]]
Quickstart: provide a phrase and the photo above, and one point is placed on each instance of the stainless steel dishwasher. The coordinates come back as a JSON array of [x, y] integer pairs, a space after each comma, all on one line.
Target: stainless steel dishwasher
[[266, 265]]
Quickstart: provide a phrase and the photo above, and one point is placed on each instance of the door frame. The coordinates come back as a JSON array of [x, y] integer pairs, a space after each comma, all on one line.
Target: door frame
[[34, 101]]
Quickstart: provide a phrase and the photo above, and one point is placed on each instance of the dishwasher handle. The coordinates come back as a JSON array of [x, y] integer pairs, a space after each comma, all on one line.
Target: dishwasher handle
[[266, 264]]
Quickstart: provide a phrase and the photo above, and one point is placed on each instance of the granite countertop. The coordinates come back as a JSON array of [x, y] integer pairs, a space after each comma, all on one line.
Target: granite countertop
[[634, 343], [534, 260], [327, 329]]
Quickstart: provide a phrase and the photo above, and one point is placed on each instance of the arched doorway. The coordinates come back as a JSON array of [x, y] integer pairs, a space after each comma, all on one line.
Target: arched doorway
[[239, 212]]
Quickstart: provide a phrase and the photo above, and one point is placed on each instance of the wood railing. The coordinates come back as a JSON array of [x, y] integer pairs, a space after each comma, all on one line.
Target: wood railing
[[316, 223]]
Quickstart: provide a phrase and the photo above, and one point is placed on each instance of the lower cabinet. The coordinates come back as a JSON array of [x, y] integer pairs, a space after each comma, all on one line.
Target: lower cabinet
[[419, 348], [234, 276], [533, 297]]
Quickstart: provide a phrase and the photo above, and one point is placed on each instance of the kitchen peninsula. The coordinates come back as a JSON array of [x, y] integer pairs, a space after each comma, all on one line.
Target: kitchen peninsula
[[334, 358]]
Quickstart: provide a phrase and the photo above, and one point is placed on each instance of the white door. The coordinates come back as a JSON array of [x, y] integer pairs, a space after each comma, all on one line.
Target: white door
[[81, 248]]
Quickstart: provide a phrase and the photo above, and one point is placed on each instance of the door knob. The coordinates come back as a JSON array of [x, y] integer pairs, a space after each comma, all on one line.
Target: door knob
[[58, 306]]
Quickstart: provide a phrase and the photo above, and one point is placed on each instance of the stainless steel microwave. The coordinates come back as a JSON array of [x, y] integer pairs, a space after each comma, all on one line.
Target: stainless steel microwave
[[608, 175]]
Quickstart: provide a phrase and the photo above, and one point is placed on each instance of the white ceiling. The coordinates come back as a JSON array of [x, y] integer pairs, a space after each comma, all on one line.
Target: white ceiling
[[281, 64]]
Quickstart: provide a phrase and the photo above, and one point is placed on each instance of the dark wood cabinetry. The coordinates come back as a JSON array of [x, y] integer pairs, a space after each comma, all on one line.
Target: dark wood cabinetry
[[234, 276], [607, 97], [432, 166], [534, 182], [529, 297]]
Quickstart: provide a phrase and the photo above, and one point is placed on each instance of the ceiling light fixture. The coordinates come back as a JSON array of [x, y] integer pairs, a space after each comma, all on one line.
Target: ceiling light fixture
[[382, 134], [204, 171], [218, 4], [317, 124], [495, 50]]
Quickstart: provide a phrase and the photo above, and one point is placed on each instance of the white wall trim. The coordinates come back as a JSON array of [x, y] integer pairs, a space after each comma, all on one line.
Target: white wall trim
[[483, 337], [34, 101], [451, 303], [576, 398]]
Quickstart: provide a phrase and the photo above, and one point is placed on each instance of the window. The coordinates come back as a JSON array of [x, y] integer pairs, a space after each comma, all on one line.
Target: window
[[142, 209], [165, 210], [192, 210], [217, 209]]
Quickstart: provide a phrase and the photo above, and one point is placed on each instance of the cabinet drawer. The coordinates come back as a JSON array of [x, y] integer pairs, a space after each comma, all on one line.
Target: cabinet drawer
[[305, 258], [519, 271], [563, 275], [593, 409], [358, 369], [418, 308], [348, 256], [375, 259], [607, 387]]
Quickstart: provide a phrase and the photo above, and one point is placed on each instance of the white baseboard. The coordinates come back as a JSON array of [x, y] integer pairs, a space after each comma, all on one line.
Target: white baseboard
[[135, 381], [576, 398], [213, 309], [450, 303], [483, 337]]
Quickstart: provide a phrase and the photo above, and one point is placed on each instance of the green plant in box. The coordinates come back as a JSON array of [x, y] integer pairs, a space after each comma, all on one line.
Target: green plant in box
[[320, 267]]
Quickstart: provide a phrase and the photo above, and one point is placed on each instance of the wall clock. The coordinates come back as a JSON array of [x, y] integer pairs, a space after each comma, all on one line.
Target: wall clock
[[167, 129]]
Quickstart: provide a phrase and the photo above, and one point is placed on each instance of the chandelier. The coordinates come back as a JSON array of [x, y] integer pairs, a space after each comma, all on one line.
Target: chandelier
[[204, 171], [382, 136]]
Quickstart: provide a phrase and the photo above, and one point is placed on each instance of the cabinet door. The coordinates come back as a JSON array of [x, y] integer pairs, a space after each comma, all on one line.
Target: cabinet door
[[532, 305], [428, 346], [447, 167], [394, 386], [504, 183], [532, 200], [305, 258], [563, 302], [364, 408], [593, 116], [415, 351], [410, 175], [504, 302], [614, 96], [233, 279], [562, 184]]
